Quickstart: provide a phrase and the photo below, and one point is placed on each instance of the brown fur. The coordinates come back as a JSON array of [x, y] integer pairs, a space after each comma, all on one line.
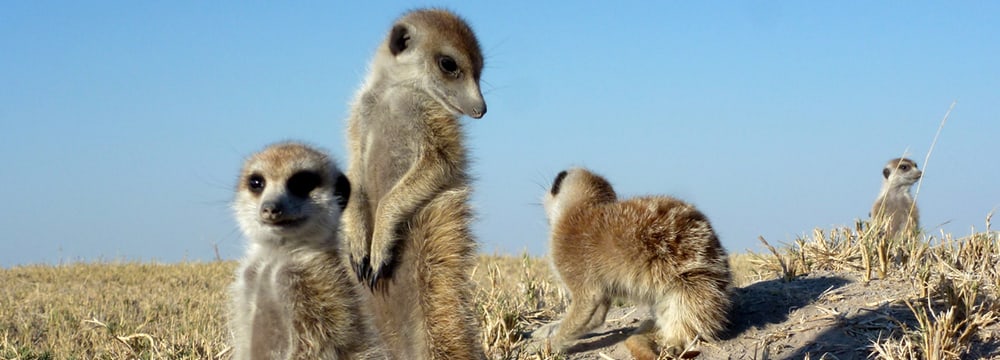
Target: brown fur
[[654, 250], [408, 225], [895, 210], [294, 297]]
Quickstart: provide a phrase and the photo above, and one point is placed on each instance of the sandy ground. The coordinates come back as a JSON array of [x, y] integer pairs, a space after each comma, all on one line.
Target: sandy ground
[[822, 313]]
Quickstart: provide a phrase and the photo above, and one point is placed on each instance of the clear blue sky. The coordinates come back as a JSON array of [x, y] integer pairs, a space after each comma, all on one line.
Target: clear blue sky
[[123, 124]]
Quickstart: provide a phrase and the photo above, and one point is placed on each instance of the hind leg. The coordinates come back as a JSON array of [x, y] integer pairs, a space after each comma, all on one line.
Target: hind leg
[[697, 309], [445, 259], [676, 323]]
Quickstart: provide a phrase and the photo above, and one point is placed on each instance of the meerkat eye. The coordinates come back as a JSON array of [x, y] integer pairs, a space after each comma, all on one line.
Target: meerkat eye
[[448, 65], [256, 183], [303, 182], [904, 167]]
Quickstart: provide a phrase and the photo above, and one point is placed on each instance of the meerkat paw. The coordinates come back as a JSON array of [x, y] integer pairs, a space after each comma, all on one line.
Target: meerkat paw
[[381, 263], [360, 261]]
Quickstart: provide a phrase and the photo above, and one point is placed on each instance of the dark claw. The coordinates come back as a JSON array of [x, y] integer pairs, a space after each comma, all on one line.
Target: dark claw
[[373, 281], [366, 269], [362, 269], [380, 278], [356, 267]]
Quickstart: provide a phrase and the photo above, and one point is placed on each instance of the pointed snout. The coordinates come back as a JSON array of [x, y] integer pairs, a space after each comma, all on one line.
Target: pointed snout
[[478, 112], [474, 106]]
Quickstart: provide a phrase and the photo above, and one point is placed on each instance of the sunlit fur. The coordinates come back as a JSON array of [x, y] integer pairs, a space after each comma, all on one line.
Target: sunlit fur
[[407, 225], [293, 297], [653, 250], [895, 210]]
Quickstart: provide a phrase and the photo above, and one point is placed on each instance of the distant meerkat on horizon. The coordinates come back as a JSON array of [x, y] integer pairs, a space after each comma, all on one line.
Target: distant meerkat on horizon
[[407, 223], [653, 250], [895, 208], [294, 297]]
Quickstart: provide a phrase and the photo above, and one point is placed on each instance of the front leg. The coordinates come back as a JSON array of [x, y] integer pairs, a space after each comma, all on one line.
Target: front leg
[[579, 319], [356, 233], [417, 186], [356, 219]]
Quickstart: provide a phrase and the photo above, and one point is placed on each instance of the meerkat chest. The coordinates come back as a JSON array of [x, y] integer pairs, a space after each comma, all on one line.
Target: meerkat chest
[[898, 199], [266, 290], [392, 147]]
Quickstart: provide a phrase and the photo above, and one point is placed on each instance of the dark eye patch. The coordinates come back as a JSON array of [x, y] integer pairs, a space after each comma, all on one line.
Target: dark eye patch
[[256, 183], [558, 183], [342, 189], [303, 182]]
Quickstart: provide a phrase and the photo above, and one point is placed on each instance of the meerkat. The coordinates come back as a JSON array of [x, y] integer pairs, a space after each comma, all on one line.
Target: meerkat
[[294, 297], [895, 208], [655, 250], [407, 224]]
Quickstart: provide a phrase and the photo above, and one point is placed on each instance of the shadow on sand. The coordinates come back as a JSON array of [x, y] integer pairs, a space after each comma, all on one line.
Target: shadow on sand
[[605, 339], [770, 302], [853, 337]]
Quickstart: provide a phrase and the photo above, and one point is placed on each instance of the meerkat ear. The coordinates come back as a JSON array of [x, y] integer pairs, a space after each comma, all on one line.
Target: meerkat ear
[[342, 189], [885, 172], [558, 183], [399, 39]]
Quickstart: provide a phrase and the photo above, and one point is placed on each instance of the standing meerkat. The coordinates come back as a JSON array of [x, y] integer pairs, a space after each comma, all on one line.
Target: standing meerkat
[[294, 298], [407, 224], [655, 250], [895, 208]]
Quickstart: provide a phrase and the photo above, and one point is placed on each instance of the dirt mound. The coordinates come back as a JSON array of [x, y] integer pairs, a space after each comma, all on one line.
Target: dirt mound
[[821, 313]]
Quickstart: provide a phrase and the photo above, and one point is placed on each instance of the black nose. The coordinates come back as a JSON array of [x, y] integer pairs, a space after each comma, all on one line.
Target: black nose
[[271, 210], [477, 113]]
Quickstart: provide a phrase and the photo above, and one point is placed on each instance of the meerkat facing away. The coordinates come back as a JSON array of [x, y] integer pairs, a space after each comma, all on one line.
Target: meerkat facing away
[[654, 250], [407, 224], [294, 297], [895, 208]]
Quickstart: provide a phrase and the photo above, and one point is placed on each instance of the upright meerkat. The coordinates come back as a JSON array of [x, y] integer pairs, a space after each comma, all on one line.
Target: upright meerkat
[[294, 297], [655, 250], [407, 224], [895, 208]]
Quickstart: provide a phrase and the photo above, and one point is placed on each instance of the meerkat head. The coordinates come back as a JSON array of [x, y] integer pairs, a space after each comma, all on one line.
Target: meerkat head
[[290, 192], [574, 187], [900, 172], [436, 51]]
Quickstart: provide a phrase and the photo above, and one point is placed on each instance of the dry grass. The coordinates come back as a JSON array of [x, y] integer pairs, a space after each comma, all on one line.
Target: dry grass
[[113, 311], [957, 282], [153, 311]]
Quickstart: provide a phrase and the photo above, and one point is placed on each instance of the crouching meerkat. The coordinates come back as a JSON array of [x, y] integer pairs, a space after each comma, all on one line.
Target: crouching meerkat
[[895, 209], [655, 250], [294, 297], [407, 223]]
